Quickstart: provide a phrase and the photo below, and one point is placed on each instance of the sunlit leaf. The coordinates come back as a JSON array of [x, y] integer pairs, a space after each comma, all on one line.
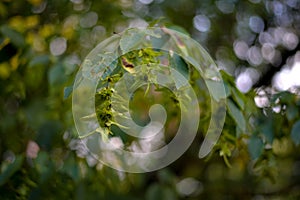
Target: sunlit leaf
[[4, 70], [178, 28], [237, 115], [238, 97], [131, 39], [216, 89]]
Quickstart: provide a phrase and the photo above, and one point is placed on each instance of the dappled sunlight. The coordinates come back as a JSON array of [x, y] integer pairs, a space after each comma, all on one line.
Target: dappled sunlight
[[246, 79], [289, 76]]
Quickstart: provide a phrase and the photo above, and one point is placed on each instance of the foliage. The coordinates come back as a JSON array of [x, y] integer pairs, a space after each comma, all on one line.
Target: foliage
[[42, 44]]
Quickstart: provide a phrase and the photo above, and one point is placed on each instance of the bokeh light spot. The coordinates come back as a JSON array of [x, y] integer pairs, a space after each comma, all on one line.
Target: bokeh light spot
[[89, 20], [201, 23], [254, 56], [58, 46], [225, 6], [256, 24], [240, 49]]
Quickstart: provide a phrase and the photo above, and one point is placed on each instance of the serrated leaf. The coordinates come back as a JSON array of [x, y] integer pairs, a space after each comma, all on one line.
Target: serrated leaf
[[237, 115], [255, 147], [295, 134], [11, 169]]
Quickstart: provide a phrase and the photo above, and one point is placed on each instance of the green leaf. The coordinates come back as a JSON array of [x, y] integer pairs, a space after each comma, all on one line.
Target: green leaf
[[284, 97], [179, 65], [237, 115], [11, 169], [39, 61], [267, 130], [44, 166], [238, 97], [68, 91], [227, 89], [255, 147], [216, 89], [131, 39], [71, 168], [291, 112], [157, 21], [56, 75], [178, 29], [227, 77], [16, 38], [157, 191], [296, 133]]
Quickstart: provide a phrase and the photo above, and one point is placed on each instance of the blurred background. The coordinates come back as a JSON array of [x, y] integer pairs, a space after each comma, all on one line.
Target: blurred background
[[43, 43]]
